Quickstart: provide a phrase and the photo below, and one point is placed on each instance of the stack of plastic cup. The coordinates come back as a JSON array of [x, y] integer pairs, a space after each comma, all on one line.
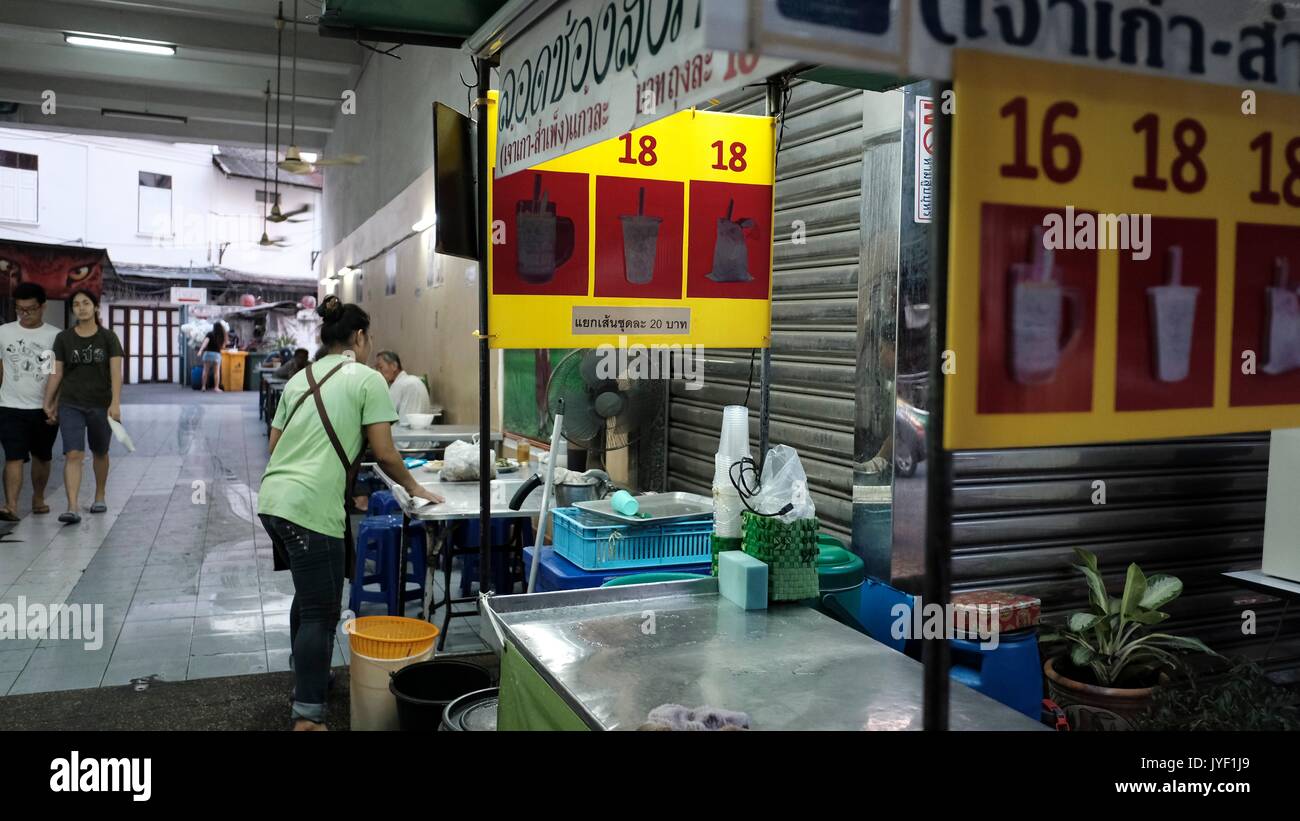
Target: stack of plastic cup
[[734, 442], [733, 445]]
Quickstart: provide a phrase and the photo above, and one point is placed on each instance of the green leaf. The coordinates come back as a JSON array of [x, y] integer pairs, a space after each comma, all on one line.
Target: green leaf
[[1161, 589], [1080, 622], [1081, 656], [1135, 587], [1144, 616], [1088, 558], [1096, 587], [1179, 642]]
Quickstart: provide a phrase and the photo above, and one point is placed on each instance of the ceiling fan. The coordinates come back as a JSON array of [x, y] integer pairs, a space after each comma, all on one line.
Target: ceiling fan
[[277, 216], [293, 161], [266, 241]]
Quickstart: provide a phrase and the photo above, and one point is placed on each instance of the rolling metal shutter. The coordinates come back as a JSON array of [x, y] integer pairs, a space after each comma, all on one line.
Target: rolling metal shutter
[[1191, 508], [814, 311]]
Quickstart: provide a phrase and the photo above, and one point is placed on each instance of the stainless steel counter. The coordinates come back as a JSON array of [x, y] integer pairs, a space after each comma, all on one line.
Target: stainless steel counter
[[616, 653]]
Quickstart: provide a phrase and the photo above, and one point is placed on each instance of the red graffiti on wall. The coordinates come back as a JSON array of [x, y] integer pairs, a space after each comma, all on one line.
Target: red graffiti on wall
[[60, 270]]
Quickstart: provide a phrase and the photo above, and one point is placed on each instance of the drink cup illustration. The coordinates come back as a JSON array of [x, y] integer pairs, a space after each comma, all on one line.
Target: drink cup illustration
[[544, 240], [640, 242], [1172, 308], [730, 256], [1282, 325], [1036, 317]]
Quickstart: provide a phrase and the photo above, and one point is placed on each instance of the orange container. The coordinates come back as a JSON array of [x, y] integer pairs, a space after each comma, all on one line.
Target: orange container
[[390, 637]]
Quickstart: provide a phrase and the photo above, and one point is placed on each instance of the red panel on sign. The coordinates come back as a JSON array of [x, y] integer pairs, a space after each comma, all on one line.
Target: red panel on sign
[[1165, 356], [1037, 322], [1266, 315], [546, 225], [731, 240], [639, 238]]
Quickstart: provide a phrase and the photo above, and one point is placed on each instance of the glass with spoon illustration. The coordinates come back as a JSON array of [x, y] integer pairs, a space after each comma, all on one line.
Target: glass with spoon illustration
[[1038, 304], [545, 240]]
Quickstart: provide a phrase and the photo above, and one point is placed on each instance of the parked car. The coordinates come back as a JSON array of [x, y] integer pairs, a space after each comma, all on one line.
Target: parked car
[[909, 437]]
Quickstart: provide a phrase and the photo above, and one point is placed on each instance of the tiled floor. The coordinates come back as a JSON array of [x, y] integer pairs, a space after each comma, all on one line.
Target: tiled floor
[[179, 562]]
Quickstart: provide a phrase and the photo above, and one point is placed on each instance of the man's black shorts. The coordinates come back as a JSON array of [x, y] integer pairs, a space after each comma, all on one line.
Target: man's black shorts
[[26, 435]]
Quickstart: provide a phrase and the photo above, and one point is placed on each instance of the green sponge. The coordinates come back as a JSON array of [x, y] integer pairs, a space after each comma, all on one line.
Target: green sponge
[[742, 579]]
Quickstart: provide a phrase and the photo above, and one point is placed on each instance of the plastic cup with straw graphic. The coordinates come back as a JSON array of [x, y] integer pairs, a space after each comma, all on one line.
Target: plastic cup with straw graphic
[[640, 242], [1282, 328], [1172, 308]]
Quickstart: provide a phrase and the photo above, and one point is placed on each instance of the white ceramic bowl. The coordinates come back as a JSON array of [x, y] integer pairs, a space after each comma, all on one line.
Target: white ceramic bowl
[[419, 420]]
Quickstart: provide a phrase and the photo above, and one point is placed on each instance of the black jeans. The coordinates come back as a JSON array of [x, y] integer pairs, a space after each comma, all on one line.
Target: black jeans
[[316, 562]]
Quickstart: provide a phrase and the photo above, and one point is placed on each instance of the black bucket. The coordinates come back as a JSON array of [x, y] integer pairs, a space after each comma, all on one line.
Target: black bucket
[[424, 690], [472, 711]]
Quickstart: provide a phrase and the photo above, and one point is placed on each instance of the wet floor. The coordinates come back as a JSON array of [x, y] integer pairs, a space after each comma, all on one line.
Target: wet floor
[[179, 563]]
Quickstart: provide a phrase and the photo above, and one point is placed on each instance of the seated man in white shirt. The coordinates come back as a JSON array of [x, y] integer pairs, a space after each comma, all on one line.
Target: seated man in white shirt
[[407, 391]]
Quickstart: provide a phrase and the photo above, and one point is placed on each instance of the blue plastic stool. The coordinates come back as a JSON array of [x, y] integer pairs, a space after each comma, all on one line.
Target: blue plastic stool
[[1011, 673], [378, 541], [872, 608], [416, 561], [382, 503], [467, 538]]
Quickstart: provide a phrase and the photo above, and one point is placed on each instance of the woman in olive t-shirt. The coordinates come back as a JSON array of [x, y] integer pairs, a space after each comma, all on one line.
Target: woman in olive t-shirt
[[87, 382], [301, 497]]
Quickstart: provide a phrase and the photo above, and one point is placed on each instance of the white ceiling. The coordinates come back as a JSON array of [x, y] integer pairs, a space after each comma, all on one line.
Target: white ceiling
[[226, 53]]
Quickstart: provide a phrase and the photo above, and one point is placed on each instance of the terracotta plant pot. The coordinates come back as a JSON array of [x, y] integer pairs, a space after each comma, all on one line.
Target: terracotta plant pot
[[1090, 707]]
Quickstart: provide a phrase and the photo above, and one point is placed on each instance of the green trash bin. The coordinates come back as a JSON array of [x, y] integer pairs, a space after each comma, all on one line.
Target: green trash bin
[[650, 578], [840, 575]]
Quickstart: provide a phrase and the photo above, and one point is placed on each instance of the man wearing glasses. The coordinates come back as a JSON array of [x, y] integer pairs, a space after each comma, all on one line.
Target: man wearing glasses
[[26, 362]]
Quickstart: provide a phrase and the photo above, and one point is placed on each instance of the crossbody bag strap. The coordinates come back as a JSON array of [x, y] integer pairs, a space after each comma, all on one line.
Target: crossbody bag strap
[[315, 386], [349, 465]]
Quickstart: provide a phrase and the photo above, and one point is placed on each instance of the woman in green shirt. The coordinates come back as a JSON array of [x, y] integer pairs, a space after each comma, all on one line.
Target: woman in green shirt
[[329, 411]]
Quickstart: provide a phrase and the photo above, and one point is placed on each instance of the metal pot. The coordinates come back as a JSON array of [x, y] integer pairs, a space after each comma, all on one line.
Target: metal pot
[[577, 487]]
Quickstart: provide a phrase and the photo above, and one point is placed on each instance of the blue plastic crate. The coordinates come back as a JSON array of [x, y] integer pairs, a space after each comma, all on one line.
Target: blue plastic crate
[[594, 542]]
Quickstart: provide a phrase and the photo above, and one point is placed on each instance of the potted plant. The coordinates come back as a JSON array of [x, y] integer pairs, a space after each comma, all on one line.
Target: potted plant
[[1108, 659]]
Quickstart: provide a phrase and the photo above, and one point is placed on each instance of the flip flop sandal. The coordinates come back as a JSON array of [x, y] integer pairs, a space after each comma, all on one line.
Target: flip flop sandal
[[99, 507], [6, 516], [69, 518], [41, 511]]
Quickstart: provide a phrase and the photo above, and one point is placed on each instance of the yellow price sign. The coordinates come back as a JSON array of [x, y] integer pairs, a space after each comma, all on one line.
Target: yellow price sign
[[1121, 257], [660, 236]]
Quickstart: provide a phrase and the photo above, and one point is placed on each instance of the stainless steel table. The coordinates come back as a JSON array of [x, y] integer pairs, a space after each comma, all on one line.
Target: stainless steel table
[[789, 667], [405, 436], [462, 504], [1261, 581]]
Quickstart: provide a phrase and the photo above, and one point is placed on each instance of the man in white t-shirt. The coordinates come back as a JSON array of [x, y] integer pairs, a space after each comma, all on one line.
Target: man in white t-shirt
[[407, 392], [26, 362]]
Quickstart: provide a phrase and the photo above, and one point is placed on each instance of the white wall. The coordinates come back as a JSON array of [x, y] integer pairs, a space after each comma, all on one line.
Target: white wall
[[431, 319], [89, 188]]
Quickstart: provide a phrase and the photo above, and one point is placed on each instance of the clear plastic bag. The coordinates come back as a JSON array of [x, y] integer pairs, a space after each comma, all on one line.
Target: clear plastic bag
[[784, 483], [460, 463]]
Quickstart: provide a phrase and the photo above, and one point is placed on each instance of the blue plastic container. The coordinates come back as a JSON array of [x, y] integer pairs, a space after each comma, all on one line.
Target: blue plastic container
[[558, 573], [1011, 673], [593, 542]]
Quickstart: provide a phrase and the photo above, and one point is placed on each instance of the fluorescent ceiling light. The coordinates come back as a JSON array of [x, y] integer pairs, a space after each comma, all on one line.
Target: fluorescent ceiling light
[[424, 225], [120, 44], [342, 272], [308, 156], [143, 115]]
